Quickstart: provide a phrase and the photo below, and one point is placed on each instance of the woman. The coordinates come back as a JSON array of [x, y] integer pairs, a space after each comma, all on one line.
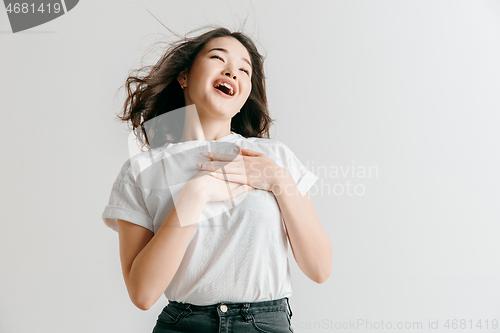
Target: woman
[[210, 231]]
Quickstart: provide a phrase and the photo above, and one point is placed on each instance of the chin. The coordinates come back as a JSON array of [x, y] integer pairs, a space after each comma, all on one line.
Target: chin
[[222, 109], [222, 113]]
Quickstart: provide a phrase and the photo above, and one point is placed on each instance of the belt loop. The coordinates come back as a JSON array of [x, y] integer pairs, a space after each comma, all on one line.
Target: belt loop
[[289, 309], [244, 312], [187, 311]]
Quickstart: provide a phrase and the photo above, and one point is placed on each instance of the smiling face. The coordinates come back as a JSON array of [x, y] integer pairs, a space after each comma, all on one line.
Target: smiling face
[[219, 81]]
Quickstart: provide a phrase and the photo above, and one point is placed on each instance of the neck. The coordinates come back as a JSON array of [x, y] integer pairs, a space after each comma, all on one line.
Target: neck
[[200, 128]]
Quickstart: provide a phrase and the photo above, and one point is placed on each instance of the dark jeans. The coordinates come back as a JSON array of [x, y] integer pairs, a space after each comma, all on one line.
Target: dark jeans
[[263, 317]]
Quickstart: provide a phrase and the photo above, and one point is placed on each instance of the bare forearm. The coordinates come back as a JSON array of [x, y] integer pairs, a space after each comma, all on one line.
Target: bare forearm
[[310, 243], [155, 266]]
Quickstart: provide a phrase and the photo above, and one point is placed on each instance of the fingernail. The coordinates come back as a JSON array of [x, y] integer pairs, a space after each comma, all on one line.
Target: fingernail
[[236, 147], [199, 164], [204, 154]]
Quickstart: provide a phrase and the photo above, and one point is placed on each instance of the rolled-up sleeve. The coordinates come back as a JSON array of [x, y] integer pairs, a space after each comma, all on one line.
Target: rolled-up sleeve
[[303, 178], [126, 202]]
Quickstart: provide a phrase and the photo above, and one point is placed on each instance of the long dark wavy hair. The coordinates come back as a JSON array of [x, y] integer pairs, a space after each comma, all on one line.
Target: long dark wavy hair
[[154, 90]]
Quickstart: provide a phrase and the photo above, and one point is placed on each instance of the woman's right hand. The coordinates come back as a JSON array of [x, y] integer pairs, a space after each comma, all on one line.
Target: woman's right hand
[[213, 189]]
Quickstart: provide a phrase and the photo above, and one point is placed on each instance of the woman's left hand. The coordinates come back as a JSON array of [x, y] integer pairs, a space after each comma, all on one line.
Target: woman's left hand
[[249, 167]]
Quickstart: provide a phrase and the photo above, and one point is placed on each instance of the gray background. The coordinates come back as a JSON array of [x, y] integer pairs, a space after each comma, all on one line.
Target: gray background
[[408, 87]]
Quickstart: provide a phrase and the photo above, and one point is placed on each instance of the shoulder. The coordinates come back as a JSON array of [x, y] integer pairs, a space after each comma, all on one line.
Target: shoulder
[[125, 173], [132, 167]]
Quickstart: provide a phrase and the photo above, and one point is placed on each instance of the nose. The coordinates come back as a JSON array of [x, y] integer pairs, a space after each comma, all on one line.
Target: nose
[[229, 74]]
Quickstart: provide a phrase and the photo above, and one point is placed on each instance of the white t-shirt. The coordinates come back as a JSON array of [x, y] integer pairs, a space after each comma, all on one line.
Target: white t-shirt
[[238, 251]]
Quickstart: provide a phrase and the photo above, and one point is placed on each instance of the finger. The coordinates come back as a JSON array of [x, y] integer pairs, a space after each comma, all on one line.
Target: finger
[[234, 167], [220, 156], [249, 152], [224, 167], [229, 177], [209, 165]]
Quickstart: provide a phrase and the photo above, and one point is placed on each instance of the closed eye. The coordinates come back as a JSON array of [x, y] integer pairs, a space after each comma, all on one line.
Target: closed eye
[[217, 57]]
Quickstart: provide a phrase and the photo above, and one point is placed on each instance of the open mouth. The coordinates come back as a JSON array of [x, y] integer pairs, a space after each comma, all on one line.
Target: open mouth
[[225, 88]]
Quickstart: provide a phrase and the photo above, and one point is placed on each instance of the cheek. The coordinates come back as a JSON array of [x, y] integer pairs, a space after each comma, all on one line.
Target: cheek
[[247, 88], [197, 75]]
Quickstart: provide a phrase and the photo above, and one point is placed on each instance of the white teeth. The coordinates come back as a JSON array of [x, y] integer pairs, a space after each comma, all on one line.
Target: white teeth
[[228, 86]]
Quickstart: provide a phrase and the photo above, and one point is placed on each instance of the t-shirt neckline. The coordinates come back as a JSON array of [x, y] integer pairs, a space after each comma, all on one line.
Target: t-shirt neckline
[[221, 139]]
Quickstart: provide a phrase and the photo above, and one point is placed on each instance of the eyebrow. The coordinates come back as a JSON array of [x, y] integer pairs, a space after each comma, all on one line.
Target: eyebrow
[[224, 50]]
